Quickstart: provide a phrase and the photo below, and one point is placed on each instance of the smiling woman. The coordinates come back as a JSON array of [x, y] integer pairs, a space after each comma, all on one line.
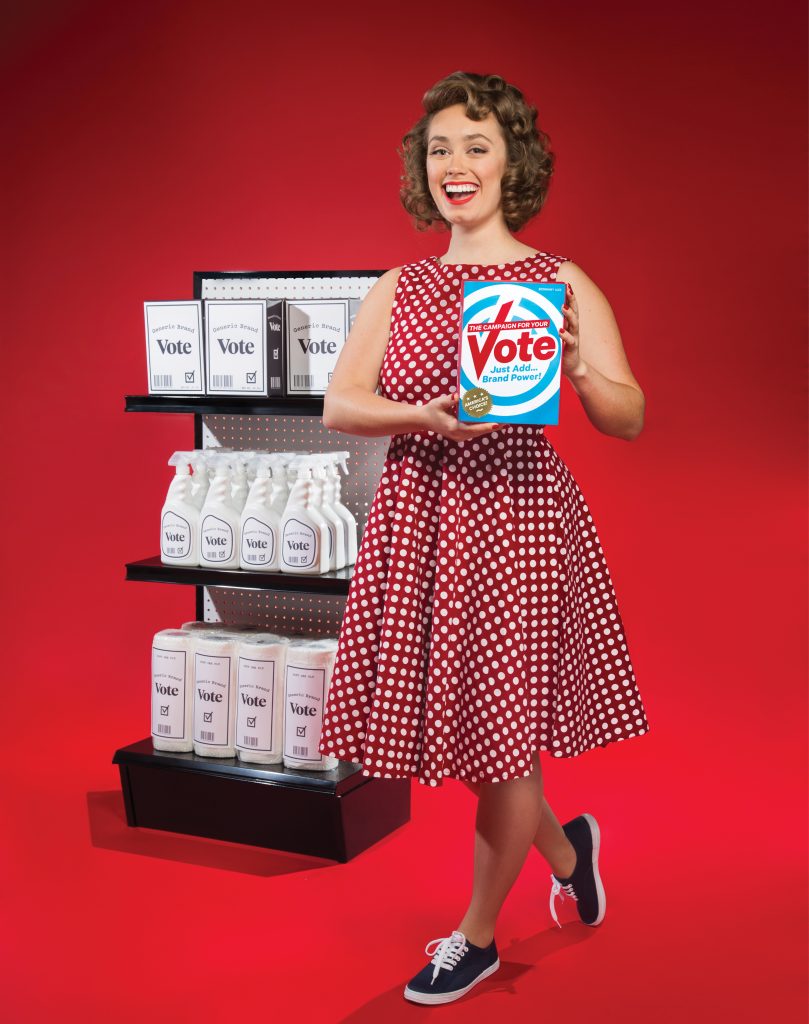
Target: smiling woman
[[481, 625]]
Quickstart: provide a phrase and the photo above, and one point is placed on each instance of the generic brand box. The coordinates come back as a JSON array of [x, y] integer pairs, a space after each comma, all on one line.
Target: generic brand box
[[236, 346], [510, 352], [174, 347], [316, 332]]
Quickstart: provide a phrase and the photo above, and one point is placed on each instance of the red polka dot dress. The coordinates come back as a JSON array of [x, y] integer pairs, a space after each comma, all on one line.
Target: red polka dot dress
[[481, 622]]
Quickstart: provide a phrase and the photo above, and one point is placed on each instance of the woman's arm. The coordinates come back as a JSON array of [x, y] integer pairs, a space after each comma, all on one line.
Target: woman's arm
[[601, 377], [350, 405]]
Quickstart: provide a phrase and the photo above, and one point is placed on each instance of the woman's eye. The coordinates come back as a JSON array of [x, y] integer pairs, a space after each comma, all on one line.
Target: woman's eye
[[435, 152], [478, 149]]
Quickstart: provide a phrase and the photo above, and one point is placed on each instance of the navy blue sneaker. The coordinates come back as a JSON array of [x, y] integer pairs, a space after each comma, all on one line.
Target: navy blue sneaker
[[457, 966], [584, 885]]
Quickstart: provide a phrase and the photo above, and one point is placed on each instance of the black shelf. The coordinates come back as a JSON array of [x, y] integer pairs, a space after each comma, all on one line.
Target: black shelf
[[152, 570], [335, 814], [225, 405], [339, 781]]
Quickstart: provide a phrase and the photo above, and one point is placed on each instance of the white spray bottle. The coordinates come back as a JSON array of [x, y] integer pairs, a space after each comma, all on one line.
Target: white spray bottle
[[337, 534], [179, 518], [304, 531], [333, 492], [219, 541], [260, 525], [283, 478], [200, 481], [240, 483]]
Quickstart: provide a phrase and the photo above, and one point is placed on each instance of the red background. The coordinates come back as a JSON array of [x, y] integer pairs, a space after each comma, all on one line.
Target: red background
[[144, 141]]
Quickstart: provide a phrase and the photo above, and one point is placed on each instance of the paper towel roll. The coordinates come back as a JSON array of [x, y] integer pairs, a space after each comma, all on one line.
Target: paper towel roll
[[261, 658], [172, 690], [307, 679], [215, 694]]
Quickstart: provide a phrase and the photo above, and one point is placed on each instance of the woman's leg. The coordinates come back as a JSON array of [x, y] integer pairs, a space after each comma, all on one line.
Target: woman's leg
[[549, 839], [507, 819]]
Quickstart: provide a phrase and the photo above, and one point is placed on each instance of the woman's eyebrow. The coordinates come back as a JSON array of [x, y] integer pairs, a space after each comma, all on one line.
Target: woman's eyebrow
[[474, 135]]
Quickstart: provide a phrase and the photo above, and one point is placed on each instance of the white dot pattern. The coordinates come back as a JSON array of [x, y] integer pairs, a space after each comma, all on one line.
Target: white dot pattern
[[481, 622]]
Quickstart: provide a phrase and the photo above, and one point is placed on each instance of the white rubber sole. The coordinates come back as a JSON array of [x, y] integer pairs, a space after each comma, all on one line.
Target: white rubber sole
[[448, 997], [602, 898]]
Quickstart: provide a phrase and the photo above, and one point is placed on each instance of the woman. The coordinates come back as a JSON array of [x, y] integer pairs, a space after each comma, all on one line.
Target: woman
[[481, 625]]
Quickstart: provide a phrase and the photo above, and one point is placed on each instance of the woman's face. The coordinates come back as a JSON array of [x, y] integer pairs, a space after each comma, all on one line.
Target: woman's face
[[461, 151]]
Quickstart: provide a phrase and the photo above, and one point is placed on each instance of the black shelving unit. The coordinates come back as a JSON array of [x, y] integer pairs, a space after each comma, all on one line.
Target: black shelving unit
[[335, 814]]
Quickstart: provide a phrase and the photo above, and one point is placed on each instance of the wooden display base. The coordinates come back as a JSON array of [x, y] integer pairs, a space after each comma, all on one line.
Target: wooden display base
[[334, 815]]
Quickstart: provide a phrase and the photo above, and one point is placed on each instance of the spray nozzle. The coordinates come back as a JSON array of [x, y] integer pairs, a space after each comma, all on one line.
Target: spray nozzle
[[221, 463], [338, 459], [183, 461], [263, 463]]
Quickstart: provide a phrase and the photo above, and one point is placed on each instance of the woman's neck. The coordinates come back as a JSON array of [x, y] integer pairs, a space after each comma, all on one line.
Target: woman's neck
[[485, 245]]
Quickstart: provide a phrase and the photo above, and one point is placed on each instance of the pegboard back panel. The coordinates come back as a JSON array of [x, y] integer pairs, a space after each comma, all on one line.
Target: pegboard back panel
[[284, 612], [305, 285]]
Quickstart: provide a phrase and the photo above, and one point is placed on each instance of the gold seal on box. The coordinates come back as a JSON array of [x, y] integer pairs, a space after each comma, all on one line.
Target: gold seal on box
[[477, 401]]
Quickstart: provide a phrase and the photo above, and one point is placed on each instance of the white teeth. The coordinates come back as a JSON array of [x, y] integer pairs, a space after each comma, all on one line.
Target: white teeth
[[461, 188]]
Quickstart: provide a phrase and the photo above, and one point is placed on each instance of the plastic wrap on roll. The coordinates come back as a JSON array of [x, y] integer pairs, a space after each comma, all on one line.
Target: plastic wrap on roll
[[172, 690], [215, 694], [307, 679], [261, 659]]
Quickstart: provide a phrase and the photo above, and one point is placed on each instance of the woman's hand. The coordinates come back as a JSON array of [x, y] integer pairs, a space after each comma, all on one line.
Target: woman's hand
[[571, 358], [439, 415]]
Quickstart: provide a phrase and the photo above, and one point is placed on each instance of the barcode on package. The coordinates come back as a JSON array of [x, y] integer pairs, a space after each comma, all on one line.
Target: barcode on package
[[250, 741], [300, 751], [163, 730], [275, 382], [207, 737], [303, 380], [162, 380], [223, 380]]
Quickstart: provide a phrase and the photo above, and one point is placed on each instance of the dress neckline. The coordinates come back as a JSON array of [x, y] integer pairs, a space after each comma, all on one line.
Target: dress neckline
[[484, 266]]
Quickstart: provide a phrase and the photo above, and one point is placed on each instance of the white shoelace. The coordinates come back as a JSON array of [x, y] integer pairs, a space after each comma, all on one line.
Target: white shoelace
[[449, 951], [560, 890]]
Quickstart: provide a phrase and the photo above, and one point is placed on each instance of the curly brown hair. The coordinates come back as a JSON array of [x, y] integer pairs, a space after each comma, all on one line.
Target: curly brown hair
[[526, 181]]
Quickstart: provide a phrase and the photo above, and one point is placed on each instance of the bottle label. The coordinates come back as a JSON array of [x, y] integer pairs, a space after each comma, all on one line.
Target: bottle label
[[299, 545], [304, 693], [212, 699], [175, 536], [216, 540], [258, 542], [169, 694], [257, 706]]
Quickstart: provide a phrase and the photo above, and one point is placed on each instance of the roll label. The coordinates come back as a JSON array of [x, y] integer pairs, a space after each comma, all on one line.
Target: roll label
[[212, 699], [257, 705], [303, 707], [169, 693]]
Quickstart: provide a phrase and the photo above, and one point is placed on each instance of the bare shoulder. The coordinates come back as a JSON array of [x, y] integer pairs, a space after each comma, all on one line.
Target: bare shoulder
[[386, 283], [573, 274], [600, 341]]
